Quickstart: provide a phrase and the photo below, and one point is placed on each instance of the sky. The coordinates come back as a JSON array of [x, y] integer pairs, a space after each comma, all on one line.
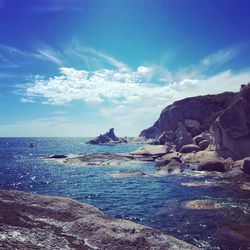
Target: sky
[[80, 67]]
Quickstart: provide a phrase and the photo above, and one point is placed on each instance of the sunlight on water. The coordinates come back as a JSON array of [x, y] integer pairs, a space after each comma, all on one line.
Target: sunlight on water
[[158, 202]]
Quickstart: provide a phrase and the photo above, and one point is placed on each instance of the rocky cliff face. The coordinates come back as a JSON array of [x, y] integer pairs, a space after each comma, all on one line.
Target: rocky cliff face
[[196, 113], [232, 127]]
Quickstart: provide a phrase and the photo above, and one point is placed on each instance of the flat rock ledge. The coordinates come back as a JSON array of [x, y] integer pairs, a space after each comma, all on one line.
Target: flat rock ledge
[[100, 159], [29, 221]]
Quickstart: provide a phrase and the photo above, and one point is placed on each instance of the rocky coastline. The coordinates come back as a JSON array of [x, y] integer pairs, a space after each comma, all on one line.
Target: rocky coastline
[[205, 135], [30, 221]]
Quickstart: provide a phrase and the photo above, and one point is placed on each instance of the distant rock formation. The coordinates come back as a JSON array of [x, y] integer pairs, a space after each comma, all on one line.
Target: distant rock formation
[[232, 127], [195, 113], [107, 138], [29, 221]]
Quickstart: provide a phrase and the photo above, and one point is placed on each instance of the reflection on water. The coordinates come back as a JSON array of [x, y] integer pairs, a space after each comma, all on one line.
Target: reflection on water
[[154, 201]]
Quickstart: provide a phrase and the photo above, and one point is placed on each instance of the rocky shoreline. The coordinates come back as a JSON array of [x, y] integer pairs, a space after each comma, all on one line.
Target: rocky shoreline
[[200, 136], [30, 221]]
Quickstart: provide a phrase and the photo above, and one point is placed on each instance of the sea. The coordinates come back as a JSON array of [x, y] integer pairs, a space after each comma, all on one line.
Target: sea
[[151, 200]]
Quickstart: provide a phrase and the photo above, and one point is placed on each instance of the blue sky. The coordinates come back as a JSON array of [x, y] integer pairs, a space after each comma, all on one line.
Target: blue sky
[[79, 67]]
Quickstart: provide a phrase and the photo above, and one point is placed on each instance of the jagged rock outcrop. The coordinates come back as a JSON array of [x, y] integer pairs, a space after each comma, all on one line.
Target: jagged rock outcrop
[[182, 137], [196, 113], [107, 138], [29, 221], [232, 127]]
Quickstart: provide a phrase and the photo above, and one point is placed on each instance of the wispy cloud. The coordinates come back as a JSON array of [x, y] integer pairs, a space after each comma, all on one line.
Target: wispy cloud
[[221, 57], [50, 55], [11, 57], [92, 58]]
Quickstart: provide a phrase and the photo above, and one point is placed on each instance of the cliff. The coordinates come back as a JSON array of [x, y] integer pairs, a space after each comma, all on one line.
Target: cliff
[[232, 127], [196, 113], [29, 221]]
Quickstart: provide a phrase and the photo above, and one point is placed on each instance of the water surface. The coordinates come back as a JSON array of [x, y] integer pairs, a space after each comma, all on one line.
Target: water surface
[[153, 201]]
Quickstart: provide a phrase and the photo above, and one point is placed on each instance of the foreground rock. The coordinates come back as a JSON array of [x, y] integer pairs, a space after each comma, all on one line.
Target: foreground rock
[[107, 138], [31, 221]]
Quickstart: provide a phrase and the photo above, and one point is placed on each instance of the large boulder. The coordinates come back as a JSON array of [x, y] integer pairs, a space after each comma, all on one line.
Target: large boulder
[[232, 127], [189, 148], [30, 221], [205, 135], [196, 113], [217, 166], [107, 138], [204, 144], [182, 137], [245, 167], [151, 151]]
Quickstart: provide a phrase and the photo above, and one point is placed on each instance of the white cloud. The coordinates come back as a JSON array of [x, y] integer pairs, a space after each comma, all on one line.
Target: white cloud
[[123, 96], [129, 99], [49, 55], [95, 87]]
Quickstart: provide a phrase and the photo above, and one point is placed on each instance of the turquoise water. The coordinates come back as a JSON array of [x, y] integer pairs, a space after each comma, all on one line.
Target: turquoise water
[[153, 201]]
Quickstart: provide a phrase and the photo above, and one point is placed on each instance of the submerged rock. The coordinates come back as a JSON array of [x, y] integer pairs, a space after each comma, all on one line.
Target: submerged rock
[[30, 221], [202, 204], [200, 184], [95, 159], [108, 138], [173, 167], [125, 174]]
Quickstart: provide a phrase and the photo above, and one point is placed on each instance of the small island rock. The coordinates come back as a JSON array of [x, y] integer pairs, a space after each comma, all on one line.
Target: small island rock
[[107, 138]]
